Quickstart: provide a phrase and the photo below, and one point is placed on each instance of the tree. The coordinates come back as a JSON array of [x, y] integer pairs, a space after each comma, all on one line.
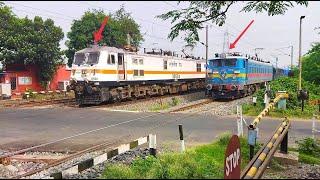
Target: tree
[[191, 19], [311, 65], [115, 32], [26, 41]]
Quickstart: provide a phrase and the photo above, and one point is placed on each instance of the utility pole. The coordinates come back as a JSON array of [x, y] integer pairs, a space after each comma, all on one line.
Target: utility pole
[[224, 42], [291, 57], [206, 50], [276, 62], [300, 63]]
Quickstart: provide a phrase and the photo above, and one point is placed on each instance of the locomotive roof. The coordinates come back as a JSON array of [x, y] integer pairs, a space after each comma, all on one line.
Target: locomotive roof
[[101, 48], [119, 50], [242, 57]]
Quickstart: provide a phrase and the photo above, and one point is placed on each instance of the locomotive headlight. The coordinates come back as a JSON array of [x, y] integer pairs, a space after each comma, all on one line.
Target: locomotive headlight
[[215, 72], [234, 76], [97, 83], [236, 72], [209, 87]]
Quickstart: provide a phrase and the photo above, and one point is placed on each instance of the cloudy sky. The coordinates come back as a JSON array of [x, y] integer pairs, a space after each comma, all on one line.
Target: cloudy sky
[[269, 33]]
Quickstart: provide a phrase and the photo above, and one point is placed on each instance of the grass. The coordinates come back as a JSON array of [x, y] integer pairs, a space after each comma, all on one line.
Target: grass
[[251, 110], [162, 106], [48, 96], [205, 161]]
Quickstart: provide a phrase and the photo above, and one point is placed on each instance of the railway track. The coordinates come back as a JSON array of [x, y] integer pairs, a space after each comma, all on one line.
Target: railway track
[[31, 103], [133, 101], [100, 147], [187, 107]]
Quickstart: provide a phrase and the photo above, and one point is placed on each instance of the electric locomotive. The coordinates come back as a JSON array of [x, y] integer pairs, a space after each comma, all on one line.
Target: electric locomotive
[[231, 75], [101, 73]]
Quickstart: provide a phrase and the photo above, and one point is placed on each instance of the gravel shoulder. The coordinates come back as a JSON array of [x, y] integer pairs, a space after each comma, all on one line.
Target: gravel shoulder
[[300, 171]]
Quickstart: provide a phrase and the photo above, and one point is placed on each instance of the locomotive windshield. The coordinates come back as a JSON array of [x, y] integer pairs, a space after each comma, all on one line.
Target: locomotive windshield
[[223, 62], [79, 58], [216, 63], [230, 62], [86, 58], [93, 58]]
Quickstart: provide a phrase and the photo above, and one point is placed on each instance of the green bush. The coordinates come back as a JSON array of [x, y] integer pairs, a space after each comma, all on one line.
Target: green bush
[[206, 161], [309, 151], [309, 146]]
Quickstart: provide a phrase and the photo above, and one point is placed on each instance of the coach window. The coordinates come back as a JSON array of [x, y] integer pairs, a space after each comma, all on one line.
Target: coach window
[[111, 59], [198, 67], [165, 65]]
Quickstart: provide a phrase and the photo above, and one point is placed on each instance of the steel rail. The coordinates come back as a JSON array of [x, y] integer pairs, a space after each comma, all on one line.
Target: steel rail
[[69, 137], [97, 147], [70, 157]]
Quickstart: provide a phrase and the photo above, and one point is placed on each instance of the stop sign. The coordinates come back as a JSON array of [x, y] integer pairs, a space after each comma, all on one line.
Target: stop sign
[[232, 160]]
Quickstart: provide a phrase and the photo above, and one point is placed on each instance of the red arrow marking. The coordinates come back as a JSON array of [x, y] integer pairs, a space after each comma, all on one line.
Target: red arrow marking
[[98, 34], [233, 45]]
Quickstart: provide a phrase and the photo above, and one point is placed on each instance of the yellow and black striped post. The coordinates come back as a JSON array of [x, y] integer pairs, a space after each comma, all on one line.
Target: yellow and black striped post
[[280, 135]]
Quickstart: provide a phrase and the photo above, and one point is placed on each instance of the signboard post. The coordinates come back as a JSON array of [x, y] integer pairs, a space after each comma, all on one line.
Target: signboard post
[[232, 160]]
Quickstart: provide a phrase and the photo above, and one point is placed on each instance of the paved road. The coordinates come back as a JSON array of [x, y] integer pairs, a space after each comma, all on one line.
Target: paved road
[[27, 127]]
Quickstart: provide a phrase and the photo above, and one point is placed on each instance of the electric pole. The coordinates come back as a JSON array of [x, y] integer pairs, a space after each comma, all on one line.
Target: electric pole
[[300, 63], [291, 57], [206, 50]]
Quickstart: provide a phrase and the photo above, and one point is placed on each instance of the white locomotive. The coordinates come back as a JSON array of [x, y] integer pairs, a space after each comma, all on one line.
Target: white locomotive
[[102, 73]]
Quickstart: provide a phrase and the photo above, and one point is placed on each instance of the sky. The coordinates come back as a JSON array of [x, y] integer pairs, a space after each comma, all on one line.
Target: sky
[[267, 33]]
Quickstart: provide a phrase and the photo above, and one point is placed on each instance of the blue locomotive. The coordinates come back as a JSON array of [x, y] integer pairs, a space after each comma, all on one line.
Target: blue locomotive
[[233, 75]]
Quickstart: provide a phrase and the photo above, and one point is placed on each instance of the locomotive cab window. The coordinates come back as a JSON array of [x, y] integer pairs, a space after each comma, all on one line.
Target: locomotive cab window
[[93, 58], [198, 67], [111, 59], [79, 58], [216, 63]]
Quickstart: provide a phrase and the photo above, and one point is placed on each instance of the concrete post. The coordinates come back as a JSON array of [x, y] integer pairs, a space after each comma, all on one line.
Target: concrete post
[[183, 148], [153, 144], [254, 100]]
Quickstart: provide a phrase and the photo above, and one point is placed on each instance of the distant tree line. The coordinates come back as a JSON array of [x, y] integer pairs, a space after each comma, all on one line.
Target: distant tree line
[[36, 41]]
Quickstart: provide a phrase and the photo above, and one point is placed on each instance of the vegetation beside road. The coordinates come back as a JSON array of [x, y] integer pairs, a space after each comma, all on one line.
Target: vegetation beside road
[[165, 105], [288, 84], [309, 151], [205, 161]]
